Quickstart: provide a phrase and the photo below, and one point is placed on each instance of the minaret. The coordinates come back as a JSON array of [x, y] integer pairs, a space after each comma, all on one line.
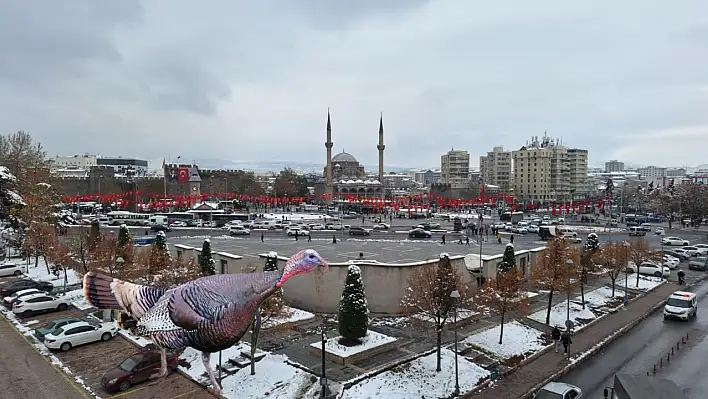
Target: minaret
[[381, 147], [328, 146]]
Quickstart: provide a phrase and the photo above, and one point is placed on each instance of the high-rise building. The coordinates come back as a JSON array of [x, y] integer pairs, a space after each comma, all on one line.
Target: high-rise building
[[544, 171], [614, 166], [651, 172], [495, 168], [455, 168]]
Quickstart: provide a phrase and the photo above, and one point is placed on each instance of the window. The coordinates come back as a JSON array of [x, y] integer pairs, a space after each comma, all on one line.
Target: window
[[73, 331], [571, 394]]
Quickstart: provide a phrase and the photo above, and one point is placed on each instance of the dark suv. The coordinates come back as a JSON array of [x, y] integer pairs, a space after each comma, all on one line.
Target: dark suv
[[358, 231], [24, 285]]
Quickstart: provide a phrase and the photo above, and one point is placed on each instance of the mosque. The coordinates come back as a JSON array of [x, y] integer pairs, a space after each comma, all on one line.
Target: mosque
[[343, 175]]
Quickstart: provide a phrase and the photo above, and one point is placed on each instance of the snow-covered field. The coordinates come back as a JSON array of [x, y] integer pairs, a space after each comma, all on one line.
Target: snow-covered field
[[371, 341], [39, 273], [290, 315], [579, 315], [462, 314], [274, 377], [518, 340], [646, 283], [418, 379], [599, 299]]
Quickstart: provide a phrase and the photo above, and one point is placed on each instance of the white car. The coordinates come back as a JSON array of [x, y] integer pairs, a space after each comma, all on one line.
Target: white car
[[659, 231], [519, 230], [39, 303], [297, 231], [572, 238], [508, 226], [532, 228], [382, 226], [701, 246], [681, 305], [239, 231], [670, 262], [11, 269], [650, 269], [8, 300], [695, 250], [559, 390], [80, 333], [675, 241], [178, 224], [316, 226]]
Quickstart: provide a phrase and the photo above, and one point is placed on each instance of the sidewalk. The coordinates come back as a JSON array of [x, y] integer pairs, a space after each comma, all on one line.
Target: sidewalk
[[519, 382]]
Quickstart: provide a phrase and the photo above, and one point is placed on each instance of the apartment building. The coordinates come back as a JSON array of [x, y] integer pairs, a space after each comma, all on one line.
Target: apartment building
[[614, 166], [495, 168], [455, 168], [650, 172], [578, 168]]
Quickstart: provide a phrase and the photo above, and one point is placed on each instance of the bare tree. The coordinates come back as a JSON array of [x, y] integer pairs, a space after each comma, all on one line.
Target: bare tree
[[551, 271], [503, 295], [428, 295], [613, 258], [639, 252], [693, 200]]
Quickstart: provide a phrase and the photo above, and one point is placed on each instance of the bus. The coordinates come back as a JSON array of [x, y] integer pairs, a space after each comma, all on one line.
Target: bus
[[186, 217], [513, 217], [116, 218], [221, 219]]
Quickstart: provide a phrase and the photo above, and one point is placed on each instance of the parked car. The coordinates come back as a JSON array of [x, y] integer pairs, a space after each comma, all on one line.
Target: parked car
[[137, 368], [419, 233], [11, 269], [160, 227], [559, 390], [24, 285], [670, 262], [9, 300], [698, 263], [239, 231], [659, 231], [55, 324], [675, 241], [297, 231], [79, 333], [382, 226], [358, 231], [678, 253], [695, 251], [39, 303], [649, 269]]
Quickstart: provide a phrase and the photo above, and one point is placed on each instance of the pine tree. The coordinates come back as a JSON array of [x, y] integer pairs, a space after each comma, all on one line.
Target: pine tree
[[592, 244], [123, 236], [94, 234], [206, 261], [508, 261], [160, 242], [159, 256], [271, 263], [353, 308]]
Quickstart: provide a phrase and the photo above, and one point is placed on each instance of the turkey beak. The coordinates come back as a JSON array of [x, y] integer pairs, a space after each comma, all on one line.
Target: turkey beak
[[324, 265]]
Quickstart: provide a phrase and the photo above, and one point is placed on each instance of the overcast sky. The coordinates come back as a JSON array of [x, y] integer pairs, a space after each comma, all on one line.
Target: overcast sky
[[248, 80]]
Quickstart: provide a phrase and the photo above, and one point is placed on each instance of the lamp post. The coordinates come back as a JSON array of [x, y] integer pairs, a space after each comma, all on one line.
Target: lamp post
[[323, 377], [626, 265], [455, 295], [568, 322]]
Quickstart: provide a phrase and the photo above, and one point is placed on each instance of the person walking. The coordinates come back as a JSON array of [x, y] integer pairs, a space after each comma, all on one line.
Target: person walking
[[262, 238], [443, 240], [334, 238], [467, 241], [512, 238], [309, 238], [565, 339], [556, 336]]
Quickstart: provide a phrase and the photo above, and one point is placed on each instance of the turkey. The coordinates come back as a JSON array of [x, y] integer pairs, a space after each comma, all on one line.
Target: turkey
[[209, 314]]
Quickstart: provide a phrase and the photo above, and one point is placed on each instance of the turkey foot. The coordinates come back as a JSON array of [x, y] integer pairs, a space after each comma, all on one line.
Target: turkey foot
[[207, 365], [163, 362]]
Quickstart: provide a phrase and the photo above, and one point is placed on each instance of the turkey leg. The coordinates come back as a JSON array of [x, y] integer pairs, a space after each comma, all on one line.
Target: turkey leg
[[163, 362], [254, 340], [207, 365]]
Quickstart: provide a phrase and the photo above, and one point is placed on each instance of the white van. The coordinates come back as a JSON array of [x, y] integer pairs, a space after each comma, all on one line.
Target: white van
[[637, 231], [681, 305], [159, 220]]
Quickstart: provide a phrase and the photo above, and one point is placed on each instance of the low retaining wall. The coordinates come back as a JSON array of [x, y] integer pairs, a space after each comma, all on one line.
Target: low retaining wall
[[358, 356]]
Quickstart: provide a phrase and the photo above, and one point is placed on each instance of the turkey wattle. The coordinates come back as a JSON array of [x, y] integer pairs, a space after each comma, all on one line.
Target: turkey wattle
[[209, 314]]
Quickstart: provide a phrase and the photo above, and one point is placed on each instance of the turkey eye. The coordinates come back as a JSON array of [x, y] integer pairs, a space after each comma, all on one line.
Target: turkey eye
[[312, 256]]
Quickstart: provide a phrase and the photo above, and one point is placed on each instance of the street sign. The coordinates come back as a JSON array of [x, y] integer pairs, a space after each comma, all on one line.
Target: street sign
[[569, 324], [323, 381]]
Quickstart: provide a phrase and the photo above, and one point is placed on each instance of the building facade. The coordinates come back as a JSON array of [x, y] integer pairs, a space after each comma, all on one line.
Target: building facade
[[455, 168], [427, 177], [578, 166], [69, 165], [495, 168], [650, 172], [614, 166]]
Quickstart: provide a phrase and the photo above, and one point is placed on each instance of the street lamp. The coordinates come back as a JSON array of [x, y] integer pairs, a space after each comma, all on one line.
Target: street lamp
[[455, 295], [568, 322], [323, 378], [626, 272]]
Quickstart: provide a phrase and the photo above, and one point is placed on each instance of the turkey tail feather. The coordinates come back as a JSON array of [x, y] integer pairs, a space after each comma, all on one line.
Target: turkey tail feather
[[106, 292]]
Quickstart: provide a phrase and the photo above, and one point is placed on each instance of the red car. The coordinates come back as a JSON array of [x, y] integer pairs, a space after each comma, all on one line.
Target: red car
[[137, 368]]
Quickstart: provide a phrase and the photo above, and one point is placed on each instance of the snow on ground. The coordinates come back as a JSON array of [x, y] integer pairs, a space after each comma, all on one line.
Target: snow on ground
[[39, 273], [372, 340], [418, 379], [388, 321], [518, 340], [289, 315], [646, 283], [579, 315], [598, 299], [77, 299], [136, 339], [274, 377], [461, 315]]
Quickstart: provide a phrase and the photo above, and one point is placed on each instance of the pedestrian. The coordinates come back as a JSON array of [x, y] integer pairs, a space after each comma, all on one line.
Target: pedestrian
[[565, 339], [361, 256], [309, 238], [479, 281], [556, 336], [512, 238], [443, 240], [262, 238], [334, 238], [467, 241], [296, 234], [146, 232], [499, 238]]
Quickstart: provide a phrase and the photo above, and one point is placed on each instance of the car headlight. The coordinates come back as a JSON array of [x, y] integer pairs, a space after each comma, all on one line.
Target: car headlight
[[113, 381]]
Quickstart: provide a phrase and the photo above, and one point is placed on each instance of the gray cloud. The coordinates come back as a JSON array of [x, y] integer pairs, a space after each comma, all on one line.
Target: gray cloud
[[248, 80]]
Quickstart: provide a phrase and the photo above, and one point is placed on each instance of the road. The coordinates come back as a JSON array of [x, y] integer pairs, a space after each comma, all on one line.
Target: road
[[638, 351], [28, 375]]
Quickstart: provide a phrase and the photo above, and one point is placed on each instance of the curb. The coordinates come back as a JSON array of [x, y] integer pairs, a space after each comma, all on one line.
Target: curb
[[602, 344]]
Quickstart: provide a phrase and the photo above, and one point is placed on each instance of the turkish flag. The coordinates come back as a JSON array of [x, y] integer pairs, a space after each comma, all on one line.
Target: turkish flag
[[183, 175]]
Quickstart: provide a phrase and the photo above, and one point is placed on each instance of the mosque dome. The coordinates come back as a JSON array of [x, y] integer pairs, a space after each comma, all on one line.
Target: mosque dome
[[344, 157]]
